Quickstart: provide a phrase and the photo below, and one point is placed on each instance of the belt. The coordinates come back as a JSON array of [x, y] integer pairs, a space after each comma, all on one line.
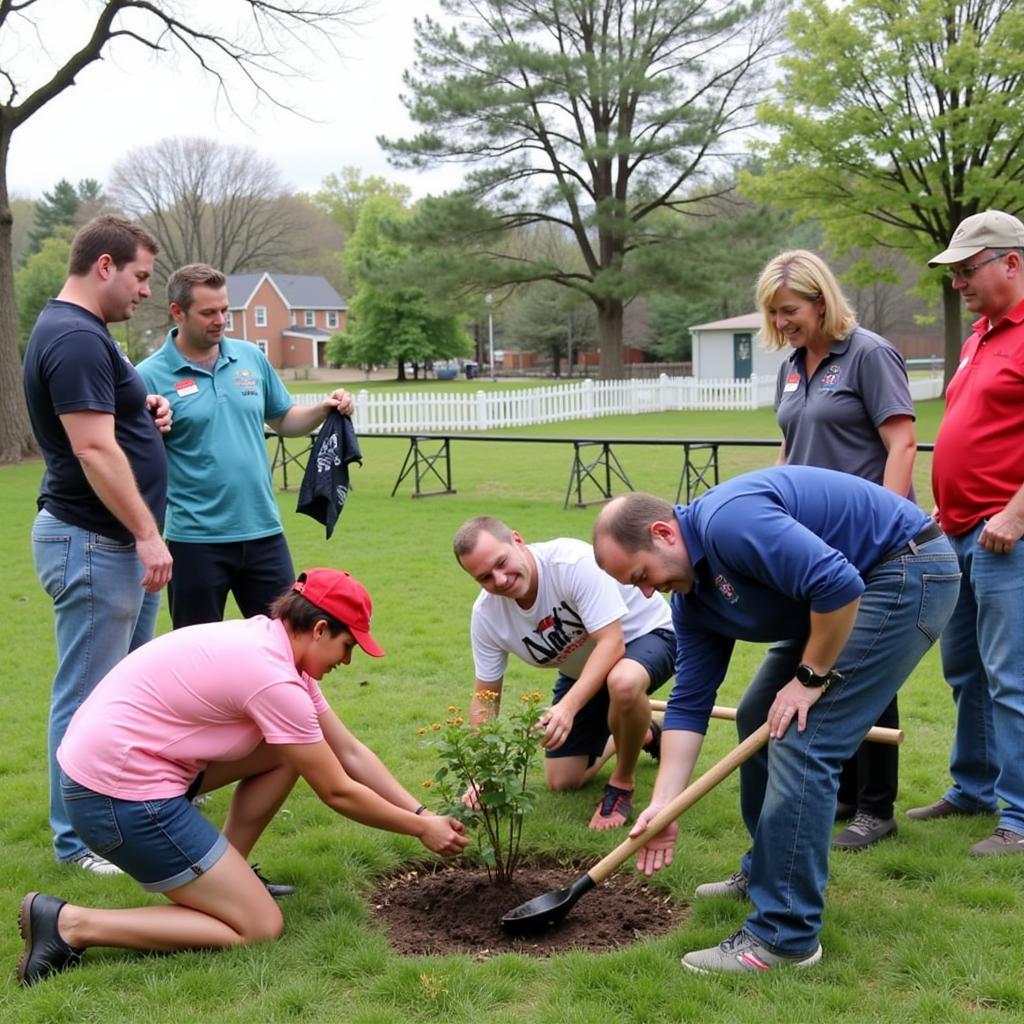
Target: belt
[[931, 532]]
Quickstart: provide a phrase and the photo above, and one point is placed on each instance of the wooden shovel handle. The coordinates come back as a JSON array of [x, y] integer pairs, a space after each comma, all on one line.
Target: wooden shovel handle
[[689, 796], [877, 734]]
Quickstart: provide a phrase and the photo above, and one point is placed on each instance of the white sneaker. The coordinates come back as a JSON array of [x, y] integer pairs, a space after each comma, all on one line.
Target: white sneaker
[[90, 861]]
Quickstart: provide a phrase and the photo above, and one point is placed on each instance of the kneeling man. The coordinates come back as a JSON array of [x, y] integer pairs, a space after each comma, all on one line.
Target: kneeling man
[[550, 605]]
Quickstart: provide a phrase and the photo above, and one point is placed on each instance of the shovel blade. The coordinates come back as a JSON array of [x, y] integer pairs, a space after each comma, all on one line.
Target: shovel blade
[[543, 912]]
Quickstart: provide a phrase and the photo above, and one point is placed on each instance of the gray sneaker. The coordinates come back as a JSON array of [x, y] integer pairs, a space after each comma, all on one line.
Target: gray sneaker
[[942, 808], [90, 861], [741, 953], [735, 886], [1003, 840], [864, 830]]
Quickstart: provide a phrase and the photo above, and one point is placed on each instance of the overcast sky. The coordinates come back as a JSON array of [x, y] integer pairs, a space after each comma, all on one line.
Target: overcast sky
[[132, 99]]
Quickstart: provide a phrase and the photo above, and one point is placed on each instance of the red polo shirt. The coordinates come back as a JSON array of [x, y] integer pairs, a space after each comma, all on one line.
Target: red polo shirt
[[978, 463]]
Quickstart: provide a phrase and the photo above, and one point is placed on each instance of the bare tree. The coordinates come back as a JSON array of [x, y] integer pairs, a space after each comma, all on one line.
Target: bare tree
[[207, 202], [236, 43]]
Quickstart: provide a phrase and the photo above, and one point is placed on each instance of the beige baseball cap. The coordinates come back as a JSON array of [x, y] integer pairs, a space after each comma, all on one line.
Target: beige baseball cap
[[992, 229]]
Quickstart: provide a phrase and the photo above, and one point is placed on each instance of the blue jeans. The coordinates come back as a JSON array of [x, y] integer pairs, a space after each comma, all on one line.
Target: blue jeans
[[983, 661], [788, 790], [99, 615]]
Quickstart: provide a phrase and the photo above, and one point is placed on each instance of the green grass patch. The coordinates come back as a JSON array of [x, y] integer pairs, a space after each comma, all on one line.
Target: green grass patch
[[915, 930]]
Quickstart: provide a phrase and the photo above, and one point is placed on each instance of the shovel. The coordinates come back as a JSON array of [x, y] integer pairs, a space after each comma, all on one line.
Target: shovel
[[542, 912]]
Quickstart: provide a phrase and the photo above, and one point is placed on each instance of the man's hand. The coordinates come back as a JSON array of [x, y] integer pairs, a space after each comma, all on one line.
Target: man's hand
[[340, 400], [794, 700], [557, 724], [1001, 532], [445, 836], [161, 410], [657, 852], [156, 561]]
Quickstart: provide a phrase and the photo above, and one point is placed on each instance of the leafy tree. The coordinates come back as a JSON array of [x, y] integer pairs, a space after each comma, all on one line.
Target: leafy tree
[[556, 321], [591, 115], [40, 279], [342, 195], [241, 42], [896, 120], [62, 208], [390, 320]]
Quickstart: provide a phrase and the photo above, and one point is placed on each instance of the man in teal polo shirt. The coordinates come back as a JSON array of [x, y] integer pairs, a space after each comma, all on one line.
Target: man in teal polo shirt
[[223, 527]]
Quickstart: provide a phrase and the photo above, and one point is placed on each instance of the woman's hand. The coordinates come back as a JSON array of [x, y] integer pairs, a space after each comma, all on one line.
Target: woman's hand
[[445, 836]]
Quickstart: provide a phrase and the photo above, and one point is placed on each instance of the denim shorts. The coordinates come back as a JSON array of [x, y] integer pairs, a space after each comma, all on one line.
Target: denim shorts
[[656, 651], [162, 844]]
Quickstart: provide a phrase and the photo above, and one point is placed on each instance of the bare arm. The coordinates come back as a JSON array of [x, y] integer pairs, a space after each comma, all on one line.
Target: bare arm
[[304, 419], [898, 436], [486, 700], [781, 458], [609, 649], [109, 473]]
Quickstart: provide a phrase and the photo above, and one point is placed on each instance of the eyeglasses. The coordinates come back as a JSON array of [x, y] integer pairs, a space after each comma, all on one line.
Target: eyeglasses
[[966, 273]]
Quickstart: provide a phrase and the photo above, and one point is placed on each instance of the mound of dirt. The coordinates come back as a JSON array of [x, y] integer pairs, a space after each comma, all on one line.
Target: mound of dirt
[[456, 909]]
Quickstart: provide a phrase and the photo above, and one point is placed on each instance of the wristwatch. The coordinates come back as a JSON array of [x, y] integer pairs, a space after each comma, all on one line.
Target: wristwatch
[[806, 675]]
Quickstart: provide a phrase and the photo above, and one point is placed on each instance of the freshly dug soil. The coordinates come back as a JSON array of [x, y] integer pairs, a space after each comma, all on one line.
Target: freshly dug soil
[[455, 909]]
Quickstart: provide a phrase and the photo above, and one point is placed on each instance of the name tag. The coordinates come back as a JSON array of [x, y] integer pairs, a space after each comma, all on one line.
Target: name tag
[[792, 382], [186, 387]]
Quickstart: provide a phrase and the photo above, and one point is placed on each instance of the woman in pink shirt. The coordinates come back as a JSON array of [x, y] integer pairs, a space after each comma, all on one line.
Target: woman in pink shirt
[[189, 712]]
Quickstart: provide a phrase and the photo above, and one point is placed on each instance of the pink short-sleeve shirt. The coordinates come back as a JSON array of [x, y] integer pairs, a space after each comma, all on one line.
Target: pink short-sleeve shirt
[[204, 693]]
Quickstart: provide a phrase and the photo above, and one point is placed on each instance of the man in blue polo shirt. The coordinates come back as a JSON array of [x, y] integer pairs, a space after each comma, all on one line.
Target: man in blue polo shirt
[[852, 584], [223, 525]]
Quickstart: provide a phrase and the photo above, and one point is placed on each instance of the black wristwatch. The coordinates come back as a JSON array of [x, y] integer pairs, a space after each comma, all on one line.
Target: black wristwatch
[[812, 680]]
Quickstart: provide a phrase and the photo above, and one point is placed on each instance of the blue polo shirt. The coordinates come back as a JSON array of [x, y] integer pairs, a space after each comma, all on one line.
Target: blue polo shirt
[[219, 484], [767, 548]]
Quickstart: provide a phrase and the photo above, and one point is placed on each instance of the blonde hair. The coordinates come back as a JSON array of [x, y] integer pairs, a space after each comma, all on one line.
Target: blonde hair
[[809, 276]]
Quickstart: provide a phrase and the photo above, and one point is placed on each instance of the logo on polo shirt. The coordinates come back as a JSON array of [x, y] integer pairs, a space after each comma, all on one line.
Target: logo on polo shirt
[[726, 589], [830, 378], [245, 381]]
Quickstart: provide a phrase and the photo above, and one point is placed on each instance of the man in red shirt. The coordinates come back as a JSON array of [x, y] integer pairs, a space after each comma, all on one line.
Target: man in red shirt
[[978, 482]]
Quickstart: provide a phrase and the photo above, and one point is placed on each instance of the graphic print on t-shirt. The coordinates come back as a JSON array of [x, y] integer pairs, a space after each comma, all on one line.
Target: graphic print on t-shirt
[[557, 635]]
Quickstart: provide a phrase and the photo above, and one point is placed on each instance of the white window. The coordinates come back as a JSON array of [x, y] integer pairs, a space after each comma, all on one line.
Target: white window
[[260, 316], [229, 321], [309, 318], [295, 318], [261, 344], [332, 318]]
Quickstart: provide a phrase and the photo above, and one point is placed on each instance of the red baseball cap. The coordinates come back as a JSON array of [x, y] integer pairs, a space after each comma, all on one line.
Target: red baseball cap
[[341, 595]]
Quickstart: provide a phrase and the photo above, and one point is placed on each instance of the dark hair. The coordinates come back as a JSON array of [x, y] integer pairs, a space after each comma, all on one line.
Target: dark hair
[[184, 279], [628, 520], [469, 532], [111, 236], [302, 615]]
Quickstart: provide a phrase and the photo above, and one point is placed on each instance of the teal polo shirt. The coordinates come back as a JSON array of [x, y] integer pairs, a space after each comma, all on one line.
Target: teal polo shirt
[[219, 487]]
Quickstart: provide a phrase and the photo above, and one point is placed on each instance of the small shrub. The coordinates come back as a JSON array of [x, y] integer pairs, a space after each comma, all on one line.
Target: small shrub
[[495, 758]]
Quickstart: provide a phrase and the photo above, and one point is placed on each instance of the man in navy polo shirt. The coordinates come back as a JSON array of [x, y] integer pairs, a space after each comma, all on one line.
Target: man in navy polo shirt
[[851, 584], [223, 525], [96, 539]]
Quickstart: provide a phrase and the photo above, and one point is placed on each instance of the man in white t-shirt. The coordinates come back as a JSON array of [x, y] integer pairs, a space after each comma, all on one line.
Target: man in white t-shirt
[[551, 606]]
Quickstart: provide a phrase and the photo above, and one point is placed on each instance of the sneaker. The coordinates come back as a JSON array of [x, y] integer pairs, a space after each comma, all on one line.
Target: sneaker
[[844, 811], [653, 745], [741, 953], [735, 886], [90, 861], [279, 890], [863, 831], [942, 808], [614, 809], [1003, 840], [45, 951]]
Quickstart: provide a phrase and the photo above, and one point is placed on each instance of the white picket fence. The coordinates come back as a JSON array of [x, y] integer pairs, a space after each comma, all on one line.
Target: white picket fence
[[395, 413]]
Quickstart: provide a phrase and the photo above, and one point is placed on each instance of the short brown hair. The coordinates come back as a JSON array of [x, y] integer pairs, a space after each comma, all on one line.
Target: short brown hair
[[467, 535], [111, 236], [302, 615], [184, 279], [627, 520]]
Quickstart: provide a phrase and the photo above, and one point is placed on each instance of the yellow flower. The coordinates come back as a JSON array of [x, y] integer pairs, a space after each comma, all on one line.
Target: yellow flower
[[452, 709], [436, 726], [428, 783], [458, 719], [421, 730]]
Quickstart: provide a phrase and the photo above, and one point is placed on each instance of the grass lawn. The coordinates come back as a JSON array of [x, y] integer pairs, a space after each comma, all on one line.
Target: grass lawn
[[915, 930]]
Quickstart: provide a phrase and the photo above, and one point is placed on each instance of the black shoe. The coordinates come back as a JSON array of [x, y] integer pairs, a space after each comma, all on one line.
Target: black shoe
[[46, 952], [276, 889]]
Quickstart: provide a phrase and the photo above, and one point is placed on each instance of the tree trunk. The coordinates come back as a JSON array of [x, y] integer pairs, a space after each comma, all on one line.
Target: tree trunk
[[953, 329], [609, 338], [16, 440]]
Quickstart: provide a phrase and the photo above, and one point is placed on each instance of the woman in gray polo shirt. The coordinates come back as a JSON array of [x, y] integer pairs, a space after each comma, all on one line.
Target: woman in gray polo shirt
[[843, 402]]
